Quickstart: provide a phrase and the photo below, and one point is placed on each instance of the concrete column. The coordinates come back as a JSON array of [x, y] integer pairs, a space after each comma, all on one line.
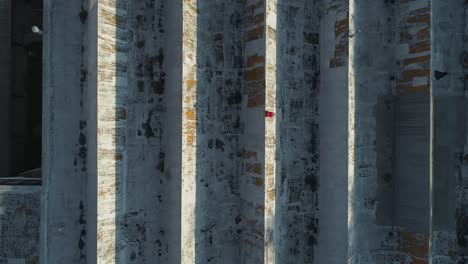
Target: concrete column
[[223, 131], [371, 67], [68, 221], [449, 174], [109, 72], [149, 222], [388, 132], [332, 241], [5, 86], [296, 107]]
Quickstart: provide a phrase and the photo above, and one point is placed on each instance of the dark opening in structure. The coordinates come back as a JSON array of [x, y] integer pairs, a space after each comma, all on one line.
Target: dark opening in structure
[[22, 109]]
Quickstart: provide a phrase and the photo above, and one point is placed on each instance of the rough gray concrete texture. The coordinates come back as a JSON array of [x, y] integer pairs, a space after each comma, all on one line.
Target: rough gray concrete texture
[[389, 132], [251, 131], [449, 237], [20, 212]]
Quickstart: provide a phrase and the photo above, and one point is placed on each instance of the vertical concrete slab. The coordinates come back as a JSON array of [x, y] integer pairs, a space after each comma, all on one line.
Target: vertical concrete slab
[[370, 137], [332, 242], [449, 178], [68, 127], [148, 117], [296, 159], [410, 176], [388, 135], [5, 86], [252, 181]]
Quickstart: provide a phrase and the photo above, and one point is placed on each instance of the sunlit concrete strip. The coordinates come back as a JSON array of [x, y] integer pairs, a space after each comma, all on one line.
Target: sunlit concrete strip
[[69, 132], [449, 163], [5, 84], [112, 87], [189, 129], [271, 235], [332, 242]]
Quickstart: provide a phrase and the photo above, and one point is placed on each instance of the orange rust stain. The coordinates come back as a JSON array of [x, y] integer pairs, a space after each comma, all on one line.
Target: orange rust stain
[[419, 88], [255, 100], [259, 181], [408, 75], [423, 34], [420, 59], [255, 59], [255, 74], [341, 27], [254, 168], [257, 19], [341, 47], [255, 33], [191, 84], [191, 115], [419, 16], [415, 245], [248, 154], [251, 8], [190, 140], [190, 127], [420, 46]]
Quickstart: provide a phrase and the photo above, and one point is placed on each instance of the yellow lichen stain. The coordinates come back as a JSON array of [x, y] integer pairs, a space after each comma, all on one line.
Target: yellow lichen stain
[[191, 84], [190, 140], [191, 115]]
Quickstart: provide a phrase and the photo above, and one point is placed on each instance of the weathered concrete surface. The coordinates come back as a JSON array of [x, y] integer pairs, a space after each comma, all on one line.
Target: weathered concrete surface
[[449, 178], [149, 227], [222, 167], [388, 132], [297, 131], [69, 133], [215, 132], [332, 242], [19, 224], [5, 82]]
